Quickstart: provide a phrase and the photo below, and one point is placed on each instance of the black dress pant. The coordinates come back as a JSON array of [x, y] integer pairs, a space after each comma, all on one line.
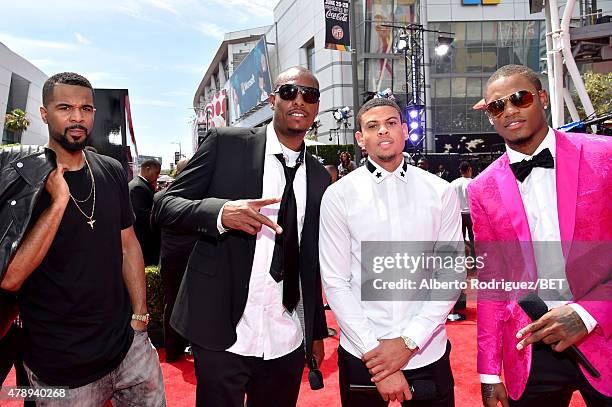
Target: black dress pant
[[354, 371], [10, 354], [468, 228], [553, 379], [224, 378], [172, 270]]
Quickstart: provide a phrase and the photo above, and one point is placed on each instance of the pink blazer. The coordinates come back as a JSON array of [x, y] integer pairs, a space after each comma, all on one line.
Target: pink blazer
[[584, 201]]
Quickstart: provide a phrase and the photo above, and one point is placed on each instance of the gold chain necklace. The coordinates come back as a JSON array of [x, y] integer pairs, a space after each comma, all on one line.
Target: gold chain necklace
[[88, 196], [90, 219]]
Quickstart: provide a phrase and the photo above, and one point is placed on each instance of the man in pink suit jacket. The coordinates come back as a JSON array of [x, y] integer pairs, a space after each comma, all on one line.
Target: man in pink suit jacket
[[554, 187]]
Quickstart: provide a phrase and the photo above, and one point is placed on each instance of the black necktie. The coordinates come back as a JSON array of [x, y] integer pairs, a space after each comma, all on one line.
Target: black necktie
[[285, 259], [522, 169]]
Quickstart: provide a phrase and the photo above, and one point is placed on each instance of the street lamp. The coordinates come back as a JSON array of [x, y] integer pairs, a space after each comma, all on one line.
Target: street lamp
[[443, 45], [180, 152]]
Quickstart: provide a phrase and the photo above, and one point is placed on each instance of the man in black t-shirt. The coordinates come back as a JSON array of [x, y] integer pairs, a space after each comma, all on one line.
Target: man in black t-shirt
[[79, 270]]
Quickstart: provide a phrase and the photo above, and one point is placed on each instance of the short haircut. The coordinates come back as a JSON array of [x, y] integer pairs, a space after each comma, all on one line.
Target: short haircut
[[63, 78], [464, 166], [280, 79], [148, 163], [377, 102], [511, 70]]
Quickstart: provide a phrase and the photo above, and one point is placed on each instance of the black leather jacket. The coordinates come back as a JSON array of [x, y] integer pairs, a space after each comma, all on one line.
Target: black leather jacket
[[23, 173]]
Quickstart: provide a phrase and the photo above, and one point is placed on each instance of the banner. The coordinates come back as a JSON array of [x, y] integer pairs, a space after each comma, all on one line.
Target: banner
[[214, 113], [250, 84], [337, 29]]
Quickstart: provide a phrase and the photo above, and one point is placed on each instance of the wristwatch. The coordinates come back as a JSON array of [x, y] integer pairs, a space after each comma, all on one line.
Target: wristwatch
[[410, 344], [141, 317]]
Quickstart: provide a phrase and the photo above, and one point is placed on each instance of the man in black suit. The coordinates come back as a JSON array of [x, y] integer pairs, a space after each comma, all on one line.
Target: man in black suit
[[175, 248], [142, 188], [247, 273]]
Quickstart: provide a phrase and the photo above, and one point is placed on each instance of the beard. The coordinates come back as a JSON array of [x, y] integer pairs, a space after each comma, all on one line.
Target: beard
[[387, 158], [292, 131], [68, 145]]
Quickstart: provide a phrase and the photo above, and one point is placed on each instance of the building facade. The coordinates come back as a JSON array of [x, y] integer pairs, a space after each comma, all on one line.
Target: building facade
[[21, 88], [488, 34]]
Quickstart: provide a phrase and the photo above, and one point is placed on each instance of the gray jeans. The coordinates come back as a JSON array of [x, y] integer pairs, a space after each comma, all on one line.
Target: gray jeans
[[137, 381]]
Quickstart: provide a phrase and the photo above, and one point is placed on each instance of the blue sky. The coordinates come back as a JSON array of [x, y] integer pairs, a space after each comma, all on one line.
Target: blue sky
[[157, 49]]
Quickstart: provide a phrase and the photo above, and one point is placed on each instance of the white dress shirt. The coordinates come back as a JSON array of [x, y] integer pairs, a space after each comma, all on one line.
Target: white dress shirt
[[539, 195], [266, 329], [460, 186], [405, 205]]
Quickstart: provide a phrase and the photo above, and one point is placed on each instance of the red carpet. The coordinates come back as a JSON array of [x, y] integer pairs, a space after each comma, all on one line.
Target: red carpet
[[180, 380]]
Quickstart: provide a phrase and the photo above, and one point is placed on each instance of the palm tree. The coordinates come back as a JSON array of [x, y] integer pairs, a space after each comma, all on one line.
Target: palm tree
[[16, 121]]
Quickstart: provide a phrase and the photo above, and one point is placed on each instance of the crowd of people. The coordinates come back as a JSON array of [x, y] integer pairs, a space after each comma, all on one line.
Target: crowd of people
[[247, 251]]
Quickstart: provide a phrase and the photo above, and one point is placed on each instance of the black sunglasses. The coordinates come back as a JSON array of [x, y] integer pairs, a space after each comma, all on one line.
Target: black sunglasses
[[520, 99], [289, 92]]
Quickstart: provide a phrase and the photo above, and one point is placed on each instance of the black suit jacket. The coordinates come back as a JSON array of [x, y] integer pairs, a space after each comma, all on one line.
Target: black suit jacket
[[141, 196], [229, 166]]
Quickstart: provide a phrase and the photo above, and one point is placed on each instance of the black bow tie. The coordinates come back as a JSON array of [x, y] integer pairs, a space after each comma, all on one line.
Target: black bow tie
[[522, 169]]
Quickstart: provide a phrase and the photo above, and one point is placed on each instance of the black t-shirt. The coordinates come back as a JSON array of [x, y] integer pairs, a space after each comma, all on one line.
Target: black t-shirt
[[75, 307]]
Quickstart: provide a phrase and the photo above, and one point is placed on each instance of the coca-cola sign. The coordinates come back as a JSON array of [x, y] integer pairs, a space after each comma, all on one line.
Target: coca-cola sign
[[337, 26]]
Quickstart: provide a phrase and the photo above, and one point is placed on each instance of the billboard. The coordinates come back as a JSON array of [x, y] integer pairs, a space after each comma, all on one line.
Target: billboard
[[337, 28], [215, 112], [250, 84]]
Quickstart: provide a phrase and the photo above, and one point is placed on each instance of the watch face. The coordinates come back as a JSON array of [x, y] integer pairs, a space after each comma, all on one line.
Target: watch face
[[409, 343]]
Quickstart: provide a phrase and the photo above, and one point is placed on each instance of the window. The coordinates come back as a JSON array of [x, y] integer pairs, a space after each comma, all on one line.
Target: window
[[489, 33], [474, 34], [310, 56], [458, 89], [17, 99], [458, 121], [473, 90], [443, 91]]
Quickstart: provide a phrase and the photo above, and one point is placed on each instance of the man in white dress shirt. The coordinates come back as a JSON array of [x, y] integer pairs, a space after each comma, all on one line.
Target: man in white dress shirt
[[460, 185], [387, 343]]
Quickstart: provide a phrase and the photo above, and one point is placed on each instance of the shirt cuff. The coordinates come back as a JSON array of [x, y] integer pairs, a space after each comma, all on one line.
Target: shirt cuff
[[587, 318], [417, 333], [490, 379], [220, 227]]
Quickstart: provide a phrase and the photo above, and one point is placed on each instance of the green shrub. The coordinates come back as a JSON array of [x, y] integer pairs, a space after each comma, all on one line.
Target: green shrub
[[155, 294]]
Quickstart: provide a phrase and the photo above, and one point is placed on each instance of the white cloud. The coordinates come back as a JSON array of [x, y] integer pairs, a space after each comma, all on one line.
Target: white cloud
[[42, 63], [211, 30], [151, 102], [101, 79], [81, 39], [177, 92], [164, 5], [193, 69], [260, 8], [23, 44]]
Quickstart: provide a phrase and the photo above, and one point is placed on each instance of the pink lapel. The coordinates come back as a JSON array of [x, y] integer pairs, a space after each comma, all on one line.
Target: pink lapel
[[511, 198], [567, 161]]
